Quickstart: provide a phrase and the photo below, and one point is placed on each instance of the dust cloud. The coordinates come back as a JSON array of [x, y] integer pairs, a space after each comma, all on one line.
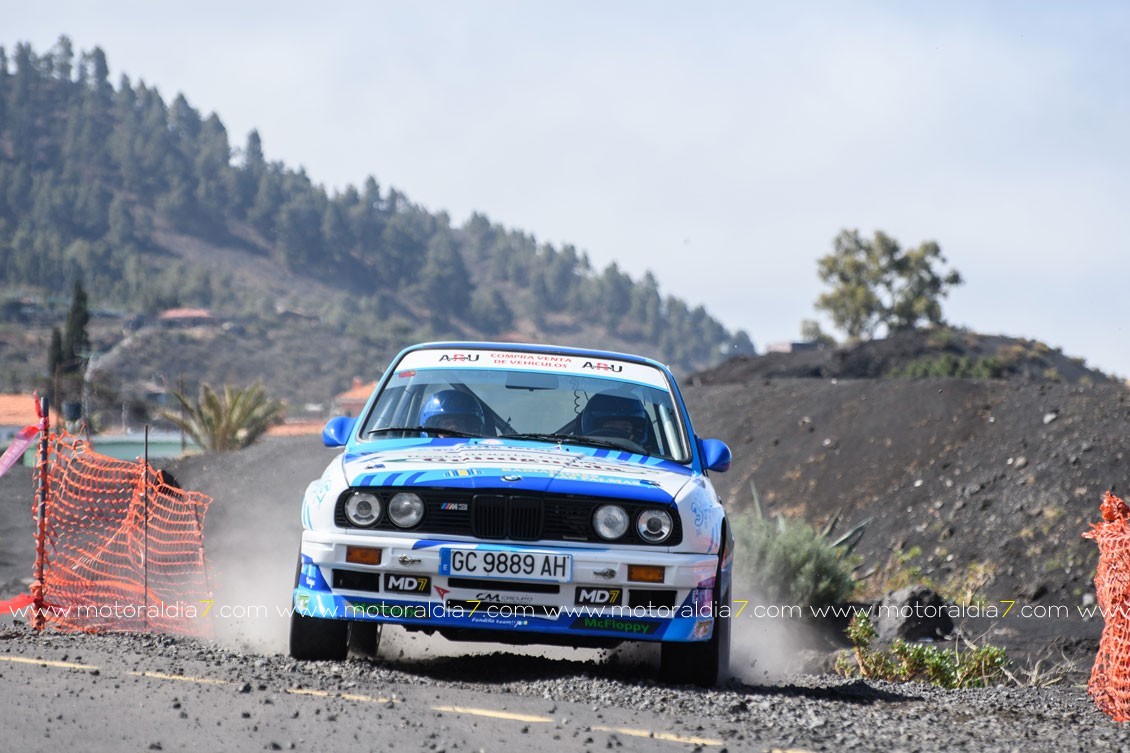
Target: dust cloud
[[768, 641]]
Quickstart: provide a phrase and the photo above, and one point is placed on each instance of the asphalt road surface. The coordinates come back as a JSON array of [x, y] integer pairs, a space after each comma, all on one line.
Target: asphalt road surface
[[115, 692]]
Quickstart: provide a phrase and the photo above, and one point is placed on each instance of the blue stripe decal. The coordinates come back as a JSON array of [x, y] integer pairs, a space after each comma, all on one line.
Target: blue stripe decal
[[427, 543], [633, 491]]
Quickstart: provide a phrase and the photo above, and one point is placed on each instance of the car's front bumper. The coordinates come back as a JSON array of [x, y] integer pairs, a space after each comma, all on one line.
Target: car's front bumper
[[409, 587]]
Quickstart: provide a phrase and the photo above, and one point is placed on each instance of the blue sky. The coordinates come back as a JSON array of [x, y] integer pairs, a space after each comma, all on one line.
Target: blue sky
[[721, 145]]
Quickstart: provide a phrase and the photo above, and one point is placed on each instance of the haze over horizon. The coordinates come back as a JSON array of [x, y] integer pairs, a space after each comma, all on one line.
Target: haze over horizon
[[722, 146]]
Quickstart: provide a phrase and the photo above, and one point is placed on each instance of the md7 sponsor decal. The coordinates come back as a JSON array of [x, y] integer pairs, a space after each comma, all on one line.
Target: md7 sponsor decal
[[598, 597], [407, 584]]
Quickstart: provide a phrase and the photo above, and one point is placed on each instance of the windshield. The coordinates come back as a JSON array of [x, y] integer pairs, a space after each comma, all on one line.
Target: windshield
[[546, 397]]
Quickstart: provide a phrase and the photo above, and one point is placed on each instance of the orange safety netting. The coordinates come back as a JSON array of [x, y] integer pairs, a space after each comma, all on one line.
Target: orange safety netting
[[120, 546], [1110, 677]]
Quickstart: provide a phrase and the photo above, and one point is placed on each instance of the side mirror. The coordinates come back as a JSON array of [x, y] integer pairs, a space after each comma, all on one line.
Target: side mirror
[[715, 455], [337, 431]]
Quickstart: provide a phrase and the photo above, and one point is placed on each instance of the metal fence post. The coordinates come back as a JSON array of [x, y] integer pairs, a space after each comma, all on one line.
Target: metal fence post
[[39, 602]]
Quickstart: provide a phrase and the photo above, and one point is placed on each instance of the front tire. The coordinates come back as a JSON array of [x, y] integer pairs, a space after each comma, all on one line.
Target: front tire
[[702, 663], [316, 639], [364, 639]]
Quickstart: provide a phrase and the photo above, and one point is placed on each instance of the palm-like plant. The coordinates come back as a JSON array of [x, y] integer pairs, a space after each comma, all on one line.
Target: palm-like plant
[[229, 420]]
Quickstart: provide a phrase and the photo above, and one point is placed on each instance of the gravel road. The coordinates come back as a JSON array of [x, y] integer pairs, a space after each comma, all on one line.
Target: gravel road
[[130, 692]]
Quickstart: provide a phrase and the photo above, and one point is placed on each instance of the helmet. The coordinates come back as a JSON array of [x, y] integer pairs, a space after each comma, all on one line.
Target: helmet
[[455, 410], [617, 415]]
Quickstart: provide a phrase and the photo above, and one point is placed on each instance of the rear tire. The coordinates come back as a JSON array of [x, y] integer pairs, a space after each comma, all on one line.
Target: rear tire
[[703, 663]]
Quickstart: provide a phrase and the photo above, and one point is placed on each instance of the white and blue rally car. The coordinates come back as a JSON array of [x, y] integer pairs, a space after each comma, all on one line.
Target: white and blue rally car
[[519, 494]]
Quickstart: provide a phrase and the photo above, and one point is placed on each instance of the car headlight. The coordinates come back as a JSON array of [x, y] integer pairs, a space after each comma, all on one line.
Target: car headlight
[[406, 509], [654, 526], [610, 521], [362, 509]]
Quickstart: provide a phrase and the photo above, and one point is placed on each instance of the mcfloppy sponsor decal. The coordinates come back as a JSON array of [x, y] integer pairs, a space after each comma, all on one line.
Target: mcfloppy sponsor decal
[[616, 625]]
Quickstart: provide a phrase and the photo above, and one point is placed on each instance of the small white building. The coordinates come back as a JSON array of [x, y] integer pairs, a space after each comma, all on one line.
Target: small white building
[[792, 347]]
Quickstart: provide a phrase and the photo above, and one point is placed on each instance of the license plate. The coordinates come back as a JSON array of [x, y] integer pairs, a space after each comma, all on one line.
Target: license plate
[[492, 563]]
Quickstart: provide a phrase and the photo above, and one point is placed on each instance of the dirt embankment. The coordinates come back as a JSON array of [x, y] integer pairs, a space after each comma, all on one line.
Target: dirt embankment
[[966, 479]]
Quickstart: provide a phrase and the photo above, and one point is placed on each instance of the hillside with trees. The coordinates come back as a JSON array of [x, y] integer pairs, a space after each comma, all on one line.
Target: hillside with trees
[[148, 205]]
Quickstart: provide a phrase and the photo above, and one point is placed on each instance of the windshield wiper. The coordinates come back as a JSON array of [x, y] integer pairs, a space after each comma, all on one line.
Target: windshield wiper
[[422, 430], [539, 437], [609, 443]]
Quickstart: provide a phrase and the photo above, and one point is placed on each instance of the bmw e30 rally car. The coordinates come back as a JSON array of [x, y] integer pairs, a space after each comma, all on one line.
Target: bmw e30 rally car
[[519, 494]]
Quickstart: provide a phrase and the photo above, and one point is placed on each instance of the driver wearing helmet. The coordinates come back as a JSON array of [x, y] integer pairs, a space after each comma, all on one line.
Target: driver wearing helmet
[[618, 416], [455, 411]]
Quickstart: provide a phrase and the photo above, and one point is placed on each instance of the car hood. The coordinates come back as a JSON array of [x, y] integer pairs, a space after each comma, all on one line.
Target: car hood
[[515, 465]]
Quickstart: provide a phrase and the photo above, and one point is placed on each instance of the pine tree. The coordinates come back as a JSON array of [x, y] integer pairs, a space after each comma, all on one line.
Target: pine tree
[[76, 340], [55, 356], [67, 353]]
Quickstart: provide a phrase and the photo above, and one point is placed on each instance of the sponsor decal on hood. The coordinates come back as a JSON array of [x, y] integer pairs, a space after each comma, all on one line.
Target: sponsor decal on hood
[[522, 466]]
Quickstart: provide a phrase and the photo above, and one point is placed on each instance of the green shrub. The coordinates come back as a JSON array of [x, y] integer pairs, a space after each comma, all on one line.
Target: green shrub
[[977, 667], [789, 562], [941, 337], [949, 365]]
